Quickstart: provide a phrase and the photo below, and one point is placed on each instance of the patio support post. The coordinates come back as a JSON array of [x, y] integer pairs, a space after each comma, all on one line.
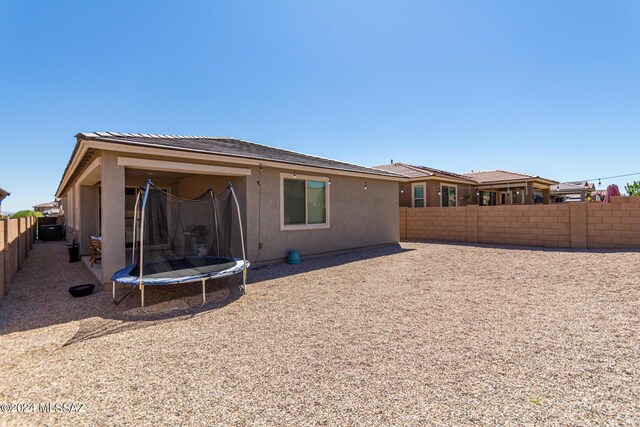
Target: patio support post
[[112, 217], [529, 196], [546, 196]]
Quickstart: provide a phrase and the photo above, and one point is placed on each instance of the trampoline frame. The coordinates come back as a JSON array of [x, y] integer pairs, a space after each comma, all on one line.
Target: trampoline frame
[[203, 280]]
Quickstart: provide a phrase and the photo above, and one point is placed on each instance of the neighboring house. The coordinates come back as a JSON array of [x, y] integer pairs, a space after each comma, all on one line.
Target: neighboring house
[[500, 187], [353, 206], [428, 187], [49, 208], [3, 195], [571, 192]]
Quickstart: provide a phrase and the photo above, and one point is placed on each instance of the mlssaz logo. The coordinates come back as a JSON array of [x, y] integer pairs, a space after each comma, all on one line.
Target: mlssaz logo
[[66, 407]]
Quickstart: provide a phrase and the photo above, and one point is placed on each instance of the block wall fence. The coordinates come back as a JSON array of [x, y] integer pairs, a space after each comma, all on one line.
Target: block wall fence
[[566, 225], [16, 239]]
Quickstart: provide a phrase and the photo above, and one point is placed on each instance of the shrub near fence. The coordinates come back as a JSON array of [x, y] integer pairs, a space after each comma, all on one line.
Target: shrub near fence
[[568, 225], [16, 238]]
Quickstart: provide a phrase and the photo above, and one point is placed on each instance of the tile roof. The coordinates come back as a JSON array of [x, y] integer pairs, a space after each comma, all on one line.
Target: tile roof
[[499, 176], [413, 171], [568, 187], [231, 147]]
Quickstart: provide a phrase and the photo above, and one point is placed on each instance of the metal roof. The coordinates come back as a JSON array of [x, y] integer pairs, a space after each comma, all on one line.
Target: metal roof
[[231, 147]]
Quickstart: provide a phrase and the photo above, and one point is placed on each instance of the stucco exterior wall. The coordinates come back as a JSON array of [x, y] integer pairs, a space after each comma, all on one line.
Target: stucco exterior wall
[[358, 217]]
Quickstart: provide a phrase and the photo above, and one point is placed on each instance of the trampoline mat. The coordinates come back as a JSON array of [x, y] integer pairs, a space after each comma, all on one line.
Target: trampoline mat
[[184, 267]]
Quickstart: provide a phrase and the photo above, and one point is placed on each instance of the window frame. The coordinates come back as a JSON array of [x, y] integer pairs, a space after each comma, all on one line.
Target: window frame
[[480, 197], [305, 178], [424, 193], [449, 186]]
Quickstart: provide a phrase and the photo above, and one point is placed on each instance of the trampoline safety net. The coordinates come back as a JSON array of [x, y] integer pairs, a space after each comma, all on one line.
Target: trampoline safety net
[[176, 237]]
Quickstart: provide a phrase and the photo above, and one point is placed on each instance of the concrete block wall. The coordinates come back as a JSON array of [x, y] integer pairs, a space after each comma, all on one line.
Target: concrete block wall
[[448, 224], [525, 225], [16, 239], [571, 225], [614, 225]]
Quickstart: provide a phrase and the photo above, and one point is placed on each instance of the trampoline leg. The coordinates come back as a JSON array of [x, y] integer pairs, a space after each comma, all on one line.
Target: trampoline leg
[[142, 297], [244, 281], [204, 295], [113, 288]]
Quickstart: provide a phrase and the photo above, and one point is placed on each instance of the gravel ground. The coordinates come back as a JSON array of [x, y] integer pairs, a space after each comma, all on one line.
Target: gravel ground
[[419, 334]]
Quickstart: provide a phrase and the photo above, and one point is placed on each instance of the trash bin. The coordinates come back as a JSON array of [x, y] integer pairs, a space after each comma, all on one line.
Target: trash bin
[[74, 252], [51, 232]]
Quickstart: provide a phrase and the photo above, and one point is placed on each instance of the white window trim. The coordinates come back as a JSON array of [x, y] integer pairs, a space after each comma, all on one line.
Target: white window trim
[[424, 194], [449, 185], [324, 179]]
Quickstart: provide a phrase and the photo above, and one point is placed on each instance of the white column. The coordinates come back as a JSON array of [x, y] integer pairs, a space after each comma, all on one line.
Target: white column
[[112, 203]]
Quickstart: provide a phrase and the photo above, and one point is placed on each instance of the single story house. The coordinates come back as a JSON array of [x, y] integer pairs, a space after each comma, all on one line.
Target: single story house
[[3, 195], [49, 208], [500, 187], [572, 192], [428, 187], [352, 206]]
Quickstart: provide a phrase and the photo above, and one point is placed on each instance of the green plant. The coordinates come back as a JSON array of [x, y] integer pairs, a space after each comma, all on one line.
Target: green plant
[[26, 213], [633, 188]]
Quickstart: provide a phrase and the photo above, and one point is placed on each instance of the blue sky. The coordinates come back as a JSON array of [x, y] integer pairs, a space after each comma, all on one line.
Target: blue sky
[[546, 87]]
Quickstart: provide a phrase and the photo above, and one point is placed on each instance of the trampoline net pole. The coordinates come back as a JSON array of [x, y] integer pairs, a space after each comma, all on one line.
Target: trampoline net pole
[[244, 257], [215, 218], [142, 216], [135, 226]]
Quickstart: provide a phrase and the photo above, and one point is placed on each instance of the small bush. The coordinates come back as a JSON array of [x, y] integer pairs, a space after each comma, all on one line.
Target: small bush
[[633, 188]]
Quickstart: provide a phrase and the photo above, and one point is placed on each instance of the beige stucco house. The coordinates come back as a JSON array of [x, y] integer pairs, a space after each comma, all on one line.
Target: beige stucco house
[[500, 187], [428, 187], [354, 206]]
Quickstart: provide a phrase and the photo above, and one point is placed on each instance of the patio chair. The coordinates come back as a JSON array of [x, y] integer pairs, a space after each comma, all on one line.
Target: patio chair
[[96, 247]]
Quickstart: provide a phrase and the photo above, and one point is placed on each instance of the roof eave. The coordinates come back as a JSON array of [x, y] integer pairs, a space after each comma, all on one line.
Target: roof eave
[[90, 136]]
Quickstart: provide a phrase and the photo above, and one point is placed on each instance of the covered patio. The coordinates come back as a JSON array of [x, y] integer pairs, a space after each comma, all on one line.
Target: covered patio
[[101, 203]]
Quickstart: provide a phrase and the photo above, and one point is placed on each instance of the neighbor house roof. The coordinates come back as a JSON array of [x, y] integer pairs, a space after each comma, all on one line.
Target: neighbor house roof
[[413, 171], [570, 188], [46, 205], [216, 145], [3, 194], [502, 176]]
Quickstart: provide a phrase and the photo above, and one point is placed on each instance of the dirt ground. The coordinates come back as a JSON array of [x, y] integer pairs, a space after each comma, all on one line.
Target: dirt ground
[[422, 333]]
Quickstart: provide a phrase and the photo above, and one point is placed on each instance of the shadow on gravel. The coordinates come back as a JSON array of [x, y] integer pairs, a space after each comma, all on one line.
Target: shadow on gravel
[[38, 296], [526, 248]]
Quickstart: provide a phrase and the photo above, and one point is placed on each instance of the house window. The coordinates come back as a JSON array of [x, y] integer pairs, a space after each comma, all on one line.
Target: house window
[[448, 195], [487, 198], [305, 202], [417, 196]]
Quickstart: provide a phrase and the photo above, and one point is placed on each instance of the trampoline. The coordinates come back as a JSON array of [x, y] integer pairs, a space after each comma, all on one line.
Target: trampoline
[[179, 241]]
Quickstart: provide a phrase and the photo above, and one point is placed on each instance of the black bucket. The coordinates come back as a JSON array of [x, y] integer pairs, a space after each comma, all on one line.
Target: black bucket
[[74, 252]]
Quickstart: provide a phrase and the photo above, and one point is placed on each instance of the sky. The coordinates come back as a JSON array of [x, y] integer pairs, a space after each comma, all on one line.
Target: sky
[[546, 87]]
